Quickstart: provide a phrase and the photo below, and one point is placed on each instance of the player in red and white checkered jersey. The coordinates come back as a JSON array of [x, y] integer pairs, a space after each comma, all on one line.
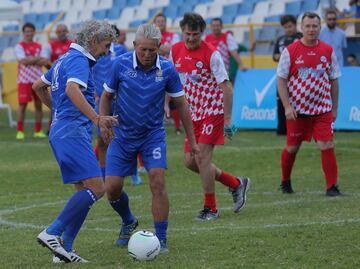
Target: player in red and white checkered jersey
[[30, 57], [308, 86], [225, 43], [209, 94]]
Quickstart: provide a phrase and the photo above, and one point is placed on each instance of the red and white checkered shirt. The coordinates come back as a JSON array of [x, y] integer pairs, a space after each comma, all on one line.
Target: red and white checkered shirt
[[28, 73], [309, 71], [201, 71], [224, 44]]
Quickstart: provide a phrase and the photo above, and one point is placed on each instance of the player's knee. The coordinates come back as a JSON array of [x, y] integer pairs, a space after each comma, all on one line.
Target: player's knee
[[157, 182], [324, 145], [292, 149], [98, 190], [113, 189]]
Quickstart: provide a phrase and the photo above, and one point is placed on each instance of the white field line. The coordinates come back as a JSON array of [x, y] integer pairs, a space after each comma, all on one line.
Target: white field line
[[194, 228]]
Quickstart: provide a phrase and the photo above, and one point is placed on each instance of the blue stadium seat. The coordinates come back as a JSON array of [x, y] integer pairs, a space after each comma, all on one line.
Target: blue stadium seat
[[268, 33], [171, 11], [263, 48], [204, 1], [132, 3], [100, 14], [293, 8], [119, 3], [191, 2], [227, 19], [30, 17], [44, 17], [113, 13], [245, 8], [183, 9], [274, 18], [230, 10], [310, 5], [153, 11], [177, 2], [11, 28], [13, 40], [135, 24], [53, 16]]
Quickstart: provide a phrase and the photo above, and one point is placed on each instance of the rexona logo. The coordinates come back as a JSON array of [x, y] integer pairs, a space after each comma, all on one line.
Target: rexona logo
[[258, 113], [354, 114]]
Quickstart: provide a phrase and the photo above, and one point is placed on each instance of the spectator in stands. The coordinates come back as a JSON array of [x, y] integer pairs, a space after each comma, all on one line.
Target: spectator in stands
[[233, 65], [167, 40], [225, 43], [352, 60], [357, 14], [333, 35], [209, 94], [57, 47], [31, 57], [288, 22], [308, 86], [72, 97]]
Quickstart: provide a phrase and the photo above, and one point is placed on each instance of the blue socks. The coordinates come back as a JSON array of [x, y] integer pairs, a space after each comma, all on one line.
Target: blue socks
[[161, 229], [121, 206], [74, 211]]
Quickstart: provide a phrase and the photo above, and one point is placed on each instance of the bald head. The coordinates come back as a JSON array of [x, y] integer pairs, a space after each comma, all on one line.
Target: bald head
[[62, 32]]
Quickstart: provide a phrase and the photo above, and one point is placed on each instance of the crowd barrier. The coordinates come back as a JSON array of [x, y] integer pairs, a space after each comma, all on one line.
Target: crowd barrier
[[254, 105]]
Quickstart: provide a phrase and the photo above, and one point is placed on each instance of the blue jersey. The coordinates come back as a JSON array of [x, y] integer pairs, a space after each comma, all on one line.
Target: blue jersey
[[140, 95], [74, 66], [103, 65]]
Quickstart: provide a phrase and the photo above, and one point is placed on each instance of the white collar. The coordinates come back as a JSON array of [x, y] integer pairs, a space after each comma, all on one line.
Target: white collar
[[82, 50], [112, 47], [135, 64]]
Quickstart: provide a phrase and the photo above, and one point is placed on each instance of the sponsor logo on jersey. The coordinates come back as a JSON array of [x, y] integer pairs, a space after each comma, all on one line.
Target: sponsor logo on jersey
[[323, 59], [311, 53], [131, 73], [299, 60], [188, 58], [177, 63], [159, 75], [199, 64]]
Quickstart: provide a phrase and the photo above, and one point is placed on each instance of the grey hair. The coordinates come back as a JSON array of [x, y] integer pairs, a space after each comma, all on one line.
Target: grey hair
[[149, 31], [100, 30]]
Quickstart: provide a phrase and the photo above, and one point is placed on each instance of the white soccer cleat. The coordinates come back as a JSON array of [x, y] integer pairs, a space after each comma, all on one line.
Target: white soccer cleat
[[73, 256], [53, 243]]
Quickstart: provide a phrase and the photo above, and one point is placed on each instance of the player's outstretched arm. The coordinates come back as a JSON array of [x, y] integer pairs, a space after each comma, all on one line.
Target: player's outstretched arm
[[41, 89], [74, 93], [184, 114]]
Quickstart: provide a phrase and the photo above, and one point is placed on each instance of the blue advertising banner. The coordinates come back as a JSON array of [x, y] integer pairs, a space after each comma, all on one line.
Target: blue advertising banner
[[254, 102]]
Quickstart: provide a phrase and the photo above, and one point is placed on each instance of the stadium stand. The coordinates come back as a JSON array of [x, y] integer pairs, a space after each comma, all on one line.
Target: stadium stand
[[130, 13]]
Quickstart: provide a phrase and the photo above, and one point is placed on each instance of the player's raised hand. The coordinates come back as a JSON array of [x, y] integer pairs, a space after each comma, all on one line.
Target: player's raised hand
[[194, 150]]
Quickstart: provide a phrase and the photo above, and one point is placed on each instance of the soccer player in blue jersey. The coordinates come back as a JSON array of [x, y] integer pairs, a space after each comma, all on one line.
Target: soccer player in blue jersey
[[72, 102], [140, 80], [100, 71]]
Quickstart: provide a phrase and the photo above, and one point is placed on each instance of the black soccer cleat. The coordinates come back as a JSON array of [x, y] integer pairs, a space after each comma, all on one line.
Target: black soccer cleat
[[286, 187], [333, 191]]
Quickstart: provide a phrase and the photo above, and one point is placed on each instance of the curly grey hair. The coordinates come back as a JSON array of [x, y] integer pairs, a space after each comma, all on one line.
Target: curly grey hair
[[149, 31], [100, 30]]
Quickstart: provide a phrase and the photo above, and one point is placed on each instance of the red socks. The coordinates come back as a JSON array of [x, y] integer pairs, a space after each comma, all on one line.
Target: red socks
[[329, 166], [210, 201], [228, 180], [175, 116], [38, 126], [287, 162], [20, 126]]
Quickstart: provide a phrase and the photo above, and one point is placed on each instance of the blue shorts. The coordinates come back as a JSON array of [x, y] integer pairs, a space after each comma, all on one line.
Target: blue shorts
[[121, 157], [76, 159]]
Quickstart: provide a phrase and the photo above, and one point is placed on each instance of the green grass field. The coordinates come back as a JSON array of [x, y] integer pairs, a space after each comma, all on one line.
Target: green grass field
[[303, 230]]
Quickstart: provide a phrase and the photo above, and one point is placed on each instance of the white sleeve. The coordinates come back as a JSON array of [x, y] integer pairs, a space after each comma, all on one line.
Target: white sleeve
[[170, 57], [175, 39], [46, 52], [231, 42], [283, 68], [335, 71], [218, 68], [19, 52]]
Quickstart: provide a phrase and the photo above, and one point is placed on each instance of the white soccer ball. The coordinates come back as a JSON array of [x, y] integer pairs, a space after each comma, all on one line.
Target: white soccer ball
[[143, 246]]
